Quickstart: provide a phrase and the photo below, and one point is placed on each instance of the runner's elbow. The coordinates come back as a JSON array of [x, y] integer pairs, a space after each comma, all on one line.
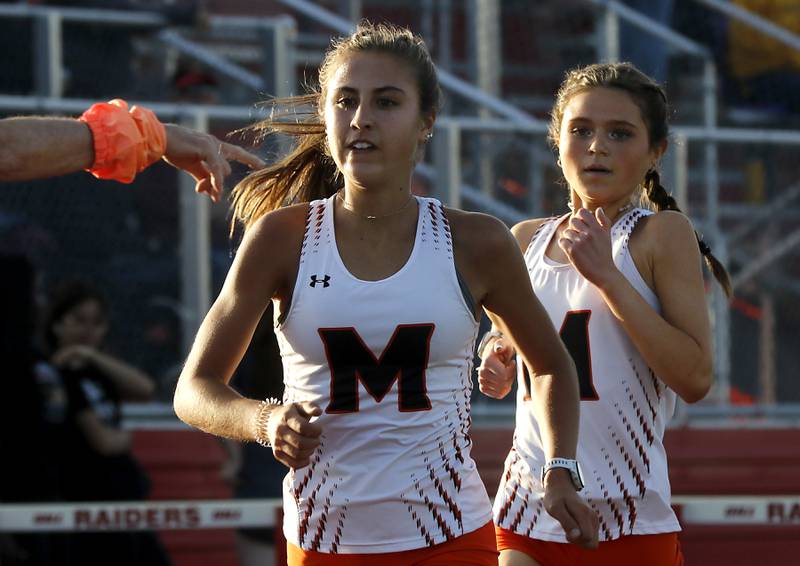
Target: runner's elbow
[[182, 402], [698, 385]]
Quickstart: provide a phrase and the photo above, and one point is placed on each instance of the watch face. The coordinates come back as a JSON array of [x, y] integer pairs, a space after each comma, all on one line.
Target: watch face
[[577, 480], [579, 483], [572, 466], [577, 477]]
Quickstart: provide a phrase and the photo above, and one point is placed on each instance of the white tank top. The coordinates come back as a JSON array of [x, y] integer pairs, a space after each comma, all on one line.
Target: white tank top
[[389, 362], [624, 407]]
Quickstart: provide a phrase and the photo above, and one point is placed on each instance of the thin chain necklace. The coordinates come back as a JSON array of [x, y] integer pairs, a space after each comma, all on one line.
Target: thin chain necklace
[[623, 209], [349, 208]]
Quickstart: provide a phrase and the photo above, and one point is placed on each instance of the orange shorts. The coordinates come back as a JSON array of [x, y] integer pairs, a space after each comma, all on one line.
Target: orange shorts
[[633, 550], [477, 548]]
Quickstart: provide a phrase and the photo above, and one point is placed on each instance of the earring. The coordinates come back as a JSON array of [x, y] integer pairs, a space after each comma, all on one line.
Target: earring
[[558, 162], [428, 136]]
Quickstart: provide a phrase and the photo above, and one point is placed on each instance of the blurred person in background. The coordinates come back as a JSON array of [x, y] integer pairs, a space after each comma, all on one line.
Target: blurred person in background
[[32, 418], [34, 401], [100, 59], [621, 277], [193, 83], [116, 143], [96, 459]]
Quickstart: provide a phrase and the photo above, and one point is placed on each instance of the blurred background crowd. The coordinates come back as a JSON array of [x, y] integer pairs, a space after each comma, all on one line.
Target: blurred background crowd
[[104, 284]]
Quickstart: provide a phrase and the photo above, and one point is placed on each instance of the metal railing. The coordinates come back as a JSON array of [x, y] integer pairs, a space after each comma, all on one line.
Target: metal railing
[[277, 33], [280, 37], [447, 79], [194, 212], [449, 185], [768, 29], [734, 12], [493, 414], [277, 38], [710, 135], [613, 12]]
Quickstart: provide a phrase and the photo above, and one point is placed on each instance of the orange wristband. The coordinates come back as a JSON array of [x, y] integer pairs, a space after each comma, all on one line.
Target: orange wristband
[[125, 142]]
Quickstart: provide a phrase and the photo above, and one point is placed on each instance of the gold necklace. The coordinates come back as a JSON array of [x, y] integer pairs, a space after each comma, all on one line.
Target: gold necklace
[[349, 208]]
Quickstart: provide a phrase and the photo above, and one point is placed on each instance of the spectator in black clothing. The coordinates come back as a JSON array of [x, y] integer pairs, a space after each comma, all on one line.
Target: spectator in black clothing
[[97, 463], [30, 420]]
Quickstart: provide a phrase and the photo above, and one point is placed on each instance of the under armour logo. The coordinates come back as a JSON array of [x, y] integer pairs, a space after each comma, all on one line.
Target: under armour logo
[[325, 281]]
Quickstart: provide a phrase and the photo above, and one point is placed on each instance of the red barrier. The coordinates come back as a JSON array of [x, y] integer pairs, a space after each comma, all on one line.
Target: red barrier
[[186, 465]]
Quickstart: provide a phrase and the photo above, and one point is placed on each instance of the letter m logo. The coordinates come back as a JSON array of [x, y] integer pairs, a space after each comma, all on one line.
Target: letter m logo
[[405, 360]]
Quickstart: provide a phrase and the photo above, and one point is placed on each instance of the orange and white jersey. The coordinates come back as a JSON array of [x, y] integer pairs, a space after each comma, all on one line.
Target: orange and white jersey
[[389, 362], [624, 407]]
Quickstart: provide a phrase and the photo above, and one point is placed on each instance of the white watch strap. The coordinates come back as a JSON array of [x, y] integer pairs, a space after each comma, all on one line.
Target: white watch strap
[[571, 465]]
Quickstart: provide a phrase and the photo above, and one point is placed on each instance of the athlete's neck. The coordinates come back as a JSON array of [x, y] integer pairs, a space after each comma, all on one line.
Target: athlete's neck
[[370, 205], [613, 210]]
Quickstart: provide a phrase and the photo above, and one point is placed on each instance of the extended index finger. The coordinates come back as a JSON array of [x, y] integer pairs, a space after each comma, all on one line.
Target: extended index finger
[[236, 153]]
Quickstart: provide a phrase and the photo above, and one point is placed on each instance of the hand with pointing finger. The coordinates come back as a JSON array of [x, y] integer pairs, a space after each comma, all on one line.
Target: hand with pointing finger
[[205, 158]]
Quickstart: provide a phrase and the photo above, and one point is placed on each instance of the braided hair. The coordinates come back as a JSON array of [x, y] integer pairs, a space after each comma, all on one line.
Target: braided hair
[[662, 200]]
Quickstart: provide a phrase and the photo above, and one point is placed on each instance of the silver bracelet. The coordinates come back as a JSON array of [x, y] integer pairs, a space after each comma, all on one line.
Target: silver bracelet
[[263, 417], [496, 334]]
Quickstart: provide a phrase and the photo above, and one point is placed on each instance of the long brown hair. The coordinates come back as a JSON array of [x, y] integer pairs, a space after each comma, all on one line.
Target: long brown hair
[[308, 172], [651, 100]]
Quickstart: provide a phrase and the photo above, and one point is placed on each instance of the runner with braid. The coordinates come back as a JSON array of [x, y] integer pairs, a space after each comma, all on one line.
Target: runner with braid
[[620, 276]]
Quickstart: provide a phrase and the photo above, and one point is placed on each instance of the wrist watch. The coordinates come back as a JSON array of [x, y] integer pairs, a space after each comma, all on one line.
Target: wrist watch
[[571, 465]]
